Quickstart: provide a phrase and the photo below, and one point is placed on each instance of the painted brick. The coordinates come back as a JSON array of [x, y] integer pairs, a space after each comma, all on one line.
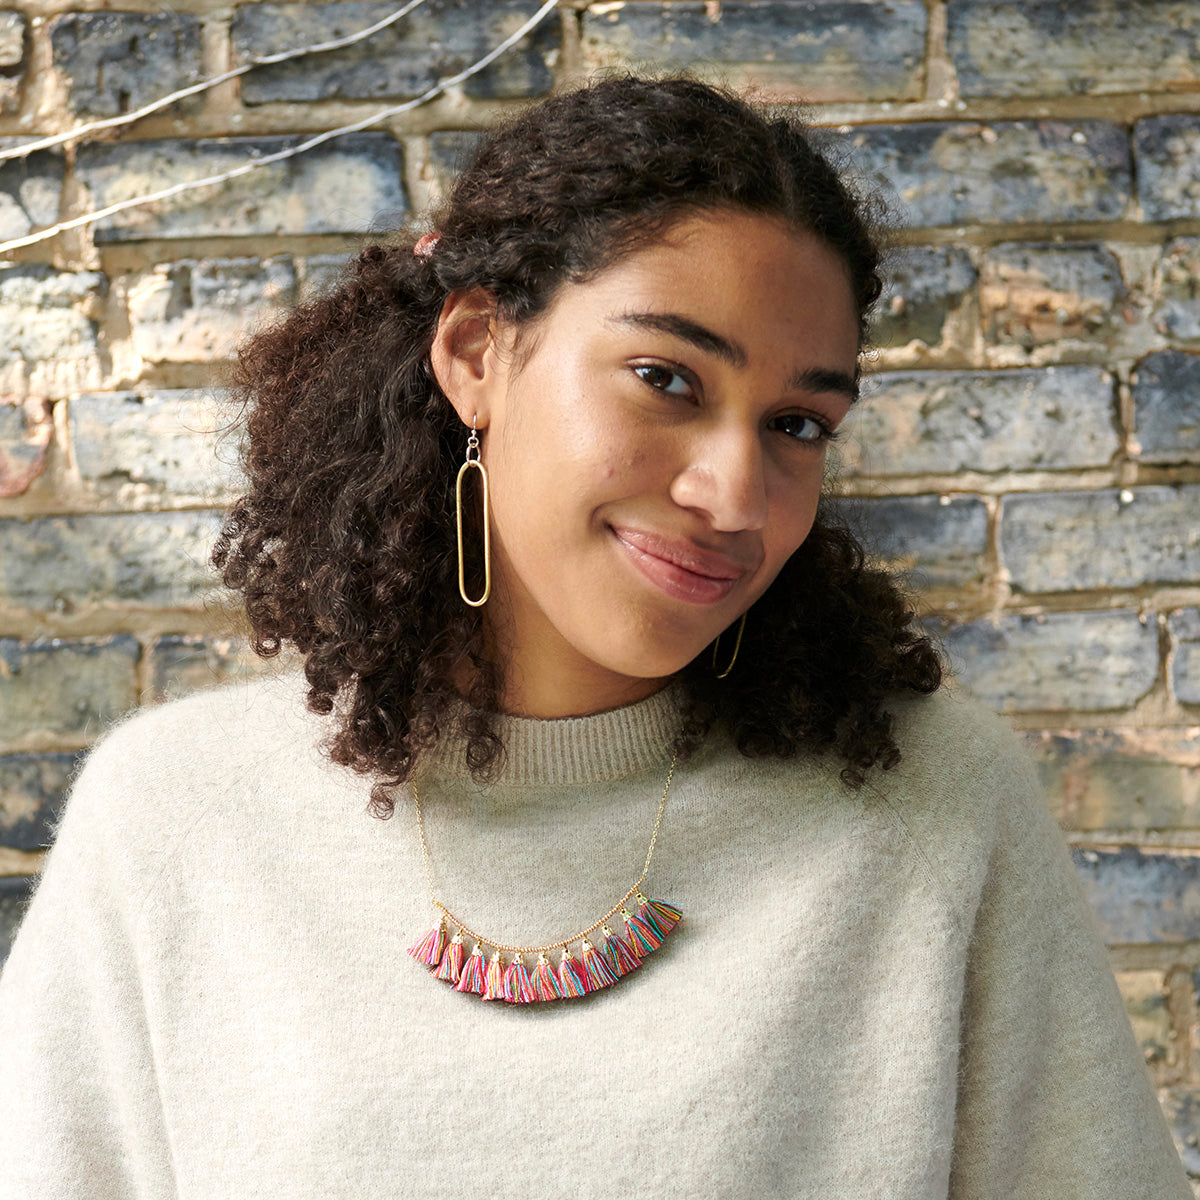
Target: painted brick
[[12, 52], [115, 62], [181, 664], [168, 440], [1032, 294], [320, 273], [1182, 1109], [33, 788], [449, 154], [15, 893], [1050, 47], [936, 422], [30, 190], [26, 428], [1134, 779], [352, 184], [49, 336], [191, 311], [941, 543], [1185, 662], [1144, 993], [1008, 171], [1168, 157], [924, 285], [1141, 898], [1178, 313], [159, 560], [65, 689], [1080, 660], [1063, 541], [439, 39], [1166, 405], [828, 50]]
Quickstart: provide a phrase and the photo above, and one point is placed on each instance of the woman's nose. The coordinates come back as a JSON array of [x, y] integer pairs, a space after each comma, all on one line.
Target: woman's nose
[[725, 480]]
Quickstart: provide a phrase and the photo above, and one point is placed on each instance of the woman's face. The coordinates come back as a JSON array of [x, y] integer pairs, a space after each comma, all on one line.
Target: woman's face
[[655, 451]]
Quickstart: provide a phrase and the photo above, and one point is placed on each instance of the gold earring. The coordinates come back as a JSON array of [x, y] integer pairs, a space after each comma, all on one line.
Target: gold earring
[[737, 645], [472, 462]]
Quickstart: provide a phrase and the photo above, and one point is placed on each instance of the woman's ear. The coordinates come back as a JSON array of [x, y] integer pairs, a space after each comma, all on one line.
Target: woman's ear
[[463, 354]]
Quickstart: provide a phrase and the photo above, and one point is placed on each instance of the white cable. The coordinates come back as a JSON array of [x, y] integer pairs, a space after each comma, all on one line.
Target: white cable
[[57, 139], [254, 164]]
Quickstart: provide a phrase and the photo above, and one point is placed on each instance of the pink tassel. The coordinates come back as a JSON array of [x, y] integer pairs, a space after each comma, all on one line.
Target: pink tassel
[[597, 973], [618, 953], [545, 982], [493, 979], [569, 979], [642, 935], [429, 949], [518, 987], [471, 979], [665, 916], [452, 960]]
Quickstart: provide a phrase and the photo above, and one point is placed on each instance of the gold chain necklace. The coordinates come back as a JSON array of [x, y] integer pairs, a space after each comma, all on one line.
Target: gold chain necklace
[[645, 931]]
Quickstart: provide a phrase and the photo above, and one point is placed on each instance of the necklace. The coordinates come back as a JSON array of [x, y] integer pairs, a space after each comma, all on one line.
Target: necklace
[[645, 931]]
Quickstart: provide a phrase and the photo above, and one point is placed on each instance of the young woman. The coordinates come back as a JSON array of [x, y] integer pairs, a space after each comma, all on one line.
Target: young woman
[[697, 883]]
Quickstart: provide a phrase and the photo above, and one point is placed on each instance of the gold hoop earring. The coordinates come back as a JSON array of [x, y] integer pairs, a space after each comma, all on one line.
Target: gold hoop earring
[[737, 645], [472, 462]]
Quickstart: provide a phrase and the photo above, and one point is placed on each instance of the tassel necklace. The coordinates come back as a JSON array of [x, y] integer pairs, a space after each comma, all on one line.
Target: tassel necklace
[[596, 968]]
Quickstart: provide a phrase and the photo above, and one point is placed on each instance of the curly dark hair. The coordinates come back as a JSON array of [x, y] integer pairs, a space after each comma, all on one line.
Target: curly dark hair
[[344, 542]]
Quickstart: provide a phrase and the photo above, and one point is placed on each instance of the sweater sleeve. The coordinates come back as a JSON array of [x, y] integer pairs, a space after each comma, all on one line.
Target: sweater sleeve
[[1054, 1096], [80, 1115]]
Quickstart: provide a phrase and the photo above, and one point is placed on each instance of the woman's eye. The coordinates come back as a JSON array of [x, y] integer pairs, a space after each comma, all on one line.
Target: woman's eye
[[663, 379], [803, 428]]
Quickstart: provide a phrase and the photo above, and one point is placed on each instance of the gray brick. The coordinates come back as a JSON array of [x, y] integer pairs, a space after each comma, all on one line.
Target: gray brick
[[1048, 47], [1178, 313], [941, 543], [1064, 541], [158, 560], [15, 893], [168, 440], [937, 422], [181, 664], [1144, 994], [320, 273], [30, 190], [12, 52], [191, 311], [49, 334], [33, 788], [25, 433], [1166, 403], [1082, 660], [115, 62], [449, 154], [924, 284], [1185, 668], [1008, 171], [65, 689], [1168, 158], [440, 38], [1141, 898], [1030, 295], [352, 184], [1182, 1109], [829, 50]]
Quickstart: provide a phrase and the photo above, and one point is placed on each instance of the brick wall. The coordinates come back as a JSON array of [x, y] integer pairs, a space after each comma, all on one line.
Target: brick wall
[[1031, 453]]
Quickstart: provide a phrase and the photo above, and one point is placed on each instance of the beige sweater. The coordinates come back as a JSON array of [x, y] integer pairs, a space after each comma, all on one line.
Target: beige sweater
[[896, 993]]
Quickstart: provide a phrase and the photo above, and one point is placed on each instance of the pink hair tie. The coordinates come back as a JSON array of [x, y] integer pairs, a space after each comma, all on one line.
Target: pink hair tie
[[425, 245]]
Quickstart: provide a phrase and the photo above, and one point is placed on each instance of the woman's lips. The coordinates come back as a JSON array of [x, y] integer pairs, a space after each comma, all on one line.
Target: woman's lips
[[681, 569]]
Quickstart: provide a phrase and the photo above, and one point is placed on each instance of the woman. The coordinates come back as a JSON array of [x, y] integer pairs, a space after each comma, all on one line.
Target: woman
[[645, 648]]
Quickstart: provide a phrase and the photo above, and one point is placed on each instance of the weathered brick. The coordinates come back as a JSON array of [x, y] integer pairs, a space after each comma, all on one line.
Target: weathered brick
[[1185, 663], [1144, 993], [352, 184], [1132, 779], [15, 891], [1168, 158], [191, 311], [1182, 1109], [181, 664], [1178, 313], [170, 440], [159, 560], [65, 689], [49, 339], [1063, 541], [1032, 294], [439, 39], [1166, 405], [115, 62], [1141, 898], [829, 50], [33, 788], [26, 428], [940, 540], [1008, 171], [30, 190], [320, 273], [449, 154], [1048, 47], [923, 286], [12, 52], [918, 422], [1079, 660]]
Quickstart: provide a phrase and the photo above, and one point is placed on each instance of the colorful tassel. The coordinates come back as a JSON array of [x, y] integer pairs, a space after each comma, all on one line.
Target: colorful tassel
[[493, 979], [518, 987], [545, 982], [452, 960], [471, 979], [618, 953], [597, 973], [570, 981], [641, 934], [666, 916], [429, 949]]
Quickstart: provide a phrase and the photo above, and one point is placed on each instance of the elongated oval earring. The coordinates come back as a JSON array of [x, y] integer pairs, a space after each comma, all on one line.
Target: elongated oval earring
[[737, 645], [473, 463]]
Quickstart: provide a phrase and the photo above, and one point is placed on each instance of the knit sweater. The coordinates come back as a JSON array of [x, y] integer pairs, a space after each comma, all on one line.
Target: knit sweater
[[894, 992]]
